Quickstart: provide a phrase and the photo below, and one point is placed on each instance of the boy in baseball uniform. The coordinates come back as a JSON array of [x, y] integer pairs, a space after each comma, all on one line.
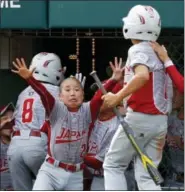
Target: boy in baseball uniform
[[28, 147], [145, 96]]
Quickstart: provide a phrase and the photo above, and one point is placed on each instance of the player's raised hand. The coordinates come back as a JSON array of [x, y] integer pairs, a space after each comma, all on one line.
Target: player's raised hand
[[22, 69], [161, 51], [117, 69]]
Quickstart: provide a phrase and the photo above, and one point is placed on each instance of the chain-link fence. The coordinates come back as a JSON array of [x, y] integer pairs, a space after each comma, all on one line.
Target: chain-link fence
[[27, 43]]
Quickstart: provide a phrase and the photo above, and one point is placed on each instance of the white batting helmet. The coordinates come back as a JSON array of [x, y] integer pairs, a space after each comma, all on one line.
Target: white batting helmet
[[48, 68], [142, 23]]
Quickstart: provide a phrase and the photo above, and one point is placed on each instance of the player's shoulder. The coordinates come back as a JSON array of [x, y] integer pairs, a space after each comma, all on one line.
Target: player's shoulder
[[143, 53], [143, 47], [26, 91]]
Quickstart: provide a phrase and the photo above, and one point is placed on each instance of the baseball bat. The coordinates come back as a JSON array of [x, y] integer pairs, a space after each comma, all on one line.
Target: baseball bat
[[146, 161]]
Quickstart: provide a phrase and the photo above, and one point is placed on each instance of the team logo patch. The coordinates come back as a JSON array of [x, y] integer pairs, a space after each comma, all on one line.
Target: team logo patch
[[46, 63], [150, 11], [142, 20]]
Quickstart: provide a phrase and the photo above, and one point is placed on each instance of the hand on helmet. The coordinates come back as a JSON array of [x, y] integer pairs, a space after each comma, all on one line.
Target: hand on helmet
[[79, 77], [22, 69]]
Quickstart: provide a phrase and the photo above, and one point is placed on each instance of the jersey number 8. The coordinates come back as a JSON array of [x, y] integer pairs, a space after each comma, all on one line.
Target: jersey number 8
[[27, 113]]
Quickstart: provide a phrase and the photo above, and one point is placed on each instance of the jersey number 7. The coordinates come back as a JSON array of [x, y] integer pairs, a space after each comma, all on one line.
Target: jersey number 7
[[27, 113]]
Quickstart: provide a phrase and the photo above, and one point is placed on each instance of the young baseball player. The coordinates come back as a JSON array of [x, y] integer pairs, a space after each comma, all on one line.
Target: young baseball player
[[5, 181], [69, 119], [144, 95], [28, 147], [176, 77]]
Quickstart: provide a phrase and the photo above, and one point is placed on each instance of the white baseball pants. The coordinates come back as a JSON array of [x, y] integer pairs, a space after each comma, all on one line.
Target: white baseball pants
[[150, 132], [51, 177], [25, 156], [98, 182]]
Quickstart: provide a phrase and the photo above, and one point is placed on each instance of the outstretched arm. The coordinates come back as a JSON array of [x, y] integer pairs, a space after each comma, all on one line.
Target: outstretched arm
[[22, 70], [140, 78]]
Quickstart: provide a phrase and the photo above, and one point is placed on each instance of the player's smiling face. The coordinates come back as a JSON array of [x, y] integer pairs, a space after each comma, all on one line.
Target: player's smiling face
[[72, 93]]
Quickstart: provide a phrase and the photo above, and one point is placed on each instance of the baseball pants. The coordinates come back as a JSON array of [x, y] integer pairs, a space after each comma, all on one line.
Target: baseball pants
[[25, 156], [51, 177], [98, 182], [150, 132]]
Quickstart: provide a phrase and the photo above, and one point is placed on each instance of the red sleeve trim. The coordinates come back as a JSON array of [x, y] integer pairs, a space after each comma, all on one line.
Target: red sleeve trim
[[47, 99], [92, 162]]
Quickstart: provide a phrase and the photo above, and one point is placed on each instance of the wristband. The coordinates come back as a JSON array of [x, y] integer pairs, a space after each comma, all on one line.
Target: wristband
[[168, 63]]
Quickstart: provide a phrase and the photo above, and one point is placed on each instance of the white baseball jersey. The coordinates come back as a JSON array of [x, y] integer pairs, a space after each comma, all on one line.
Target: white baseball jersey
[[69, 130], [30, 113], [5, 178], [152, 97], [176, 129], [100, 139]]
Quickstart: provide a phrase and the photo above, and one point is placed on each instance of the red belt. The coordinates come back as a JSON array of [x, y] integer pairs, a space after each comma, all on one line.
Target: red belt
[[32, 133], [67, 167]]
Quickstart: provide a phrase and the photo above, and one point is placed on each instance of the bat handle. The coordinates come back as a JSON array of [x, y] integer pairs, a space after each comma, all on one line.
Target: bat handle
[[97, 80]]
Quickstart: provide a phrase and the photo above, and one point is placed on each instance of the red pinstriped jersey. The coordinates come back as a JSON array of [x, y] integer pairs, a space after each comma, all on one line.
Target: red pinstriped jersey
[[100, 140], [69, 130], [152, 97], [101, 137]]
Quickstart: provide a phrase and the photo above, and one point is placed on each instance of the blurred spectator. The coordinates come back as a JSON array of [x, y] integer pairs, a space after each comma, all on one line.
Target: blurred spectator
[[175, 144], [6, 115]]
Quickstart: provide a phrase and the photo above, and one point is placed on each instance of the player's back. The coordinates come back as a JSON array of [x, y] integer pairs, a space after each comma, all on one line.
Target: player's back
[[101, 136], [151, 98], [29, 112]]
